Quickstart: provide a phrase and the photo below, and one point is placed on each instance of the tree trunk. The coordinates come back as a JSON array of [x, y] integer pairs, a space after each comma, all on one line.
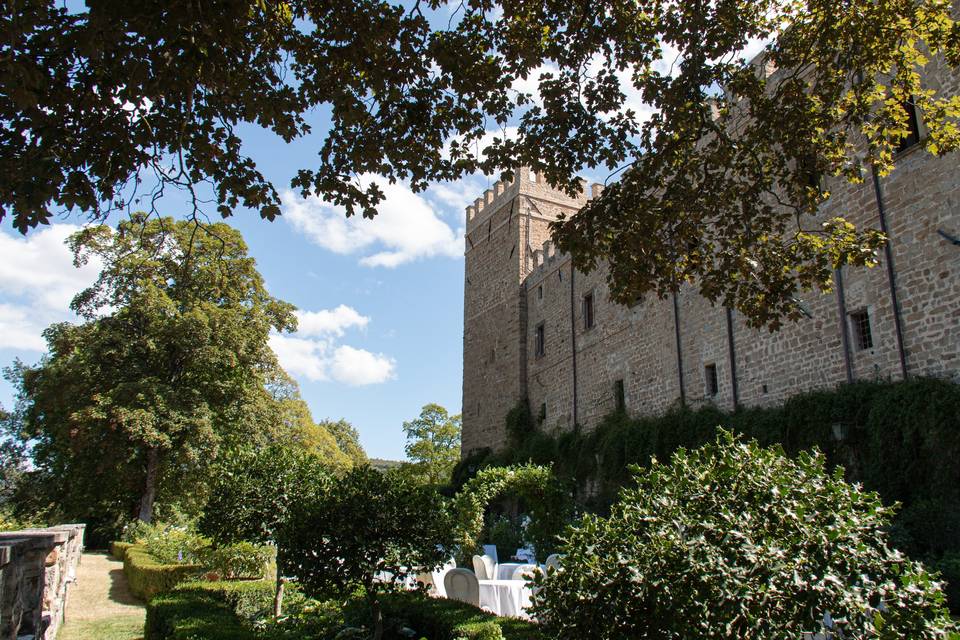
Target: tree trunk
[[278, 596], [377, 619], [149, 486]]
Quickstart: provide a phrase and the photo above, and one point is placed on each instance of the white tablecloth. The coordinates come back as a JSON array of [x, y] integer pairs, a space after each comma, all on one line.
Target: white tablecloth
[[505, 597], [505, 570]]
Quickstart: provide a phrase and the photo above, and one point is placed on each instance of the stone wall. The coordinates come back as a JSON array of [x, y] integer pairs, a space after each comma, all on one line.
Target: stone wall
[[37, 567], [654, 345]]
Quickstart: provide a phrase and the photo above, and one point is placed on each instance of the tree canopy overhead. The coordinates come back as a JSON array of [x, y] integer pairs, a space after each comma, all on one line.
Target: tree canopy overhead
[[98, 104]]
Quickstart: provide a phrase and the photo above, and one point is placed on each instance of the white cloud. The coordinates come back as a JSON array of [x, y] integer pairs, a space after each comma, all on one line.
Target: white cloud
[[407, 227], [313, 351], [359, 367], [18, 330], [37, 283], [329, 321]]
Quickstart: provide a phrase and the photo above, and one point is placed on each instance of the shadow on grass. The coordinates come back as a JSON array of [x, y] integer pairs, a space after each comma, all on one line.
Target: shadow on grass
[[119, 590]]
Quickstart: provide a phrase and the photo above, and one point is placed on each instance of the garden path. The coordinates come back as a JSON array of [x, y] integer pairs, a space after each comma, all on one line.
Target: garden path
[[100, 604]]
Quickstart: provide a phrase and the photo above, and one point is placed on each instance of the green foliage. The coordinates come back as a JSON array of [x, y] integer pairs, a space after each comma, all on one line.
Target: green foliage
[[169, 369], [549, 501], [208, 611], [147, 576], [506, 533], [253, 492], [98, 100], [169, 544], [433, 445], [899, 439], [11, 522], [348, 439], [338, 539], [736, 540], [119, 549], [442, 619], [239, 561]]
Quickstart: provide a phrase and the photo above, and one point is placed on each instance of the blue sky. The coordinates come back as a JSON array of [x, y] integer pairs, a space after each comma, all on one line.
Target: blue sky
[[382, 329]]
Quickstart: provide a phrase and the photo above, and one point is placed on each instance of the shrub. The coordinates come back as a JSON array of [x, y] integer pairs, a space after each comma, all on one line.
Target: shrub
[[733, 540], [119, 549], [442, 619], [366, 522], [171, 544], [208, 611], [900, 439], [148, 577], [240, 561]]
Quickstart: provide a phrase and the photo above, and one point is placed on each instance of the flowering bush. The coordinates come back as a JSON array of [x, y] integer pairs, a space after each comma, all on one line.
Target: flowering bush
[[171, 544], [736, 541]]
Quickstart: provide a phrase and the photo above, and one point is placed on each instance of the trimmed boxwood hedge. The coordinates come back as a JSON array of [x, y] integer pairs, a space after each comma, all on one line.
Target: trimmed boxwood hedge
[[148, 577], [207, 610], [119, 549], [442, 619]]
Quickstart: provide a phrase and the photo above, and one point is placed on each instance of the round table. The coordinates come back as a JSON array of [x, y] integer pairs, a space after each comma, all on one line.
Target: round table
[[505, 597]]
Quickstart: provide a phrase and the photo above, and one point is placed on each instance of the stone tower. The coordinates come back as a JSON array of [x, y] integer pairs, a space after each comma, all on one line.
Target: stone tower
[[507, 234]]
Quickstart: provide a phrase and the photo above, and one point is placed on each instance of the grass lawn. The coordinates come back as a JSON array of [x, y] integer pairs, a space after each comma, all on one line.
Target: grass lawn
[[116, 628]]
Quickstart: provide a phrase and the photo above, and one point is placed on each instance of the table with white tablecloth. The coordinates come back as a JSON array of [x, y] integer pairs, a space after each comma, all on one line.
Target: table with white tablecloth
[[505, 597]]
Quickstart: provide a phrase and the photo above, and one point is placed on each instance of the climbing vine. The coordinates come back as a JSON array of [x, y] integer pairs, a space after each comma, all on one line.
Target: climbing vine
[[549, 502]]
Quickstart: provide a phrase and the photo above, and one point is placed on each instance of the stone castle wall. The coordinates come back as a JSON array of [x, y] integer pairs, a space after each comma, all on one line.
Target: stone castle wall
[[514, 283]]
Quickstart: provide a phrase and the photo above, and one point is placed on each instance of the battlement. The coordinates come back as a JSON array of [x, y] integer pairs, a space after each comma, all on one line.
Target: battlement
[[525, 181]]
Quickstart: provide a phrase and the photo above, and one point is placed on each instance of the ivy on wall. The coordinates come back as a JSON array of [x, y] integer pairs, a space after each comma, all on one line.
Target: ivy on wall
[[900, 439]]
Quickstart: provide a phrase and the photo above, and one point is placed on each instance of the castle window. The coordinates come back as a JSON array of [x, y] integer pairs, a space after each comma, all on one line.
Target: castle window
[[620, 395], [588, 311], [807, 168], [533, 175], [539, 346], [913, 127], [710, 373], [862, 335], [540, 292], [543, 413]]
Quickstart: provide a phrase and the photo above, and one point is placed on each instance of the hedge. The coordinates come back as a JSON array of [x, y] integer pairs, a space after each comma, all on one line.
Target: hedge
[[208, 611], [119, 549], [442, 619], [148, 577]]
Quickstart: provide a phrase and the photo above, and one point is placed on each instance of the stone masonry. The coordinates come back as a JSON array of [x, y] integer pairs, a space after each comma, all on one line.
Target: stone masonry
[[661, 352], [37, 567]]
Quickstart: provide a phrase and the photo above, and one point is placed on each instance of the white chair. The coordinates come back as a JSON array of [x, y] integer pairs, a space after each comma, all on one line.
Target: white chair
[[491, 550], [462, 585], [484, 568], [553, 560], [524, 571], [437, 578], [526, 554]]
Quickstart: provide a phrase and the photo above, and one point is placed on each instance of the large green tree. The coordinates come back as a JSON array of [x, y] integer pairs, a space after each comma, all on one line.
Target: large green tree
[[168, 369], [433, 445], [96, 101], [348, 439]]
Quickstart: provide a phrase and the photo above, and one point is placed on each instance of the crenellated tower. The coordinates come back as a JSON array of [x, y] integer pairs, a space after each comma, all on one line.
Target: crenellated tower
[[506, 237]]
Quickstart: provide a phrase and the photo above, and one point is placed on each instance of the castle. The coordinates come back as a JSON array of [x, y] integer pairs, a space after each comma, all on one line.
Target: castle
[[537, 329]]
